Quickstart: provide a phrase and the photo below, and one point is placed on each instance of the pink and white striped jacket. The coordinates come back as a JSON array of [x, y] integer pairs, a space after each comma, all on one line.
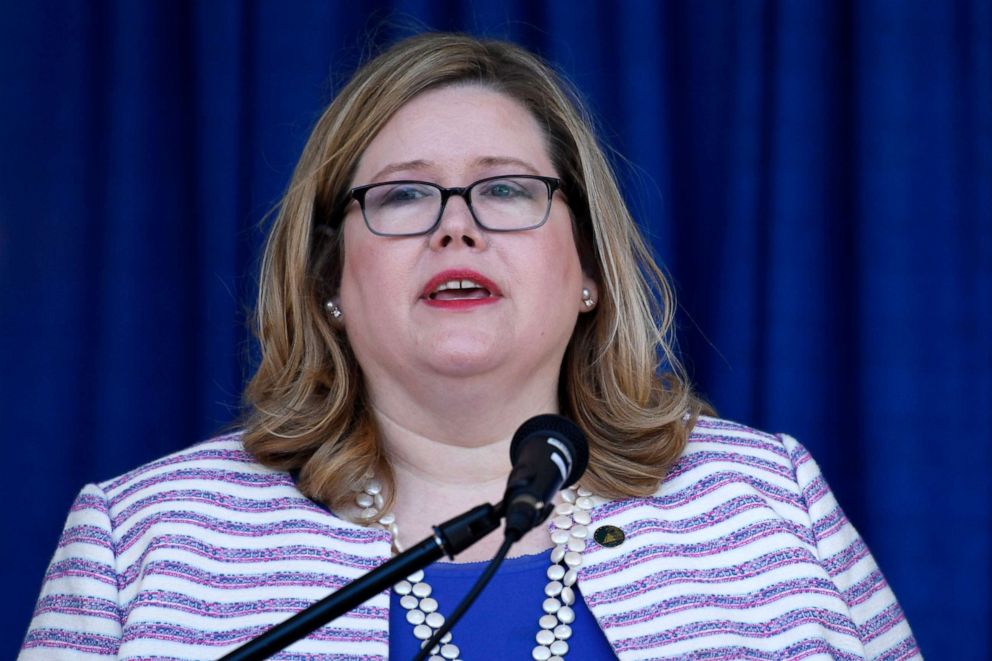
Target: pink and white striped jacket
[[742, 553]]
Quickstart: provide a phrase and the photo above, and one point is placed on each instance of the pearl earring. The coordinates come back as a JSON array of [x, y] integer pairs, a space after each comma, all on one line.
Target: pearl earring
[[333, 310], [587, 298]]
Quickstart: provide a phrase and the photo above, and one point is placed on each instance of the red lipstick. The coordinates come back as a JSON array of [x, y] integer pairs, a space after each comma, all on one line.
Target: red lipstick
[[460, 289]]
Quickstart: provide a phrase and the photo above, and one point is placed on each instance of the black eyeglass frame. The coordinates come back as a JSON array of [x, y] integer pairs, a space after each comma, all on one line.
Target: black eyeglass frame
[[464, 192]]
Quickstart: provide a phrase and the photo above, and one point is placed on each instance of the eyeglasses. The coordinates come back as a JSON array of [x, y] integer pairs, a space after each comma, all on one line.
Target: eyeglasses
[[509, 203]]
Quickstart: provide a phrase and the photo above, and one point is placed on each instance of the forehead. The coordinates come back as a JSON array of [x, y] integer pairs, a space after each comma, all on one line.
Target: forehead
[[454, 132]]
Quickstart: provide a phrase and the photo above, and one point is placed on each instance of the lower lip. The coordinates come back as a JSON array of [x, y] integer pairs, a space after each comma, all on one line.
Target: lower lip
[[461, 303]]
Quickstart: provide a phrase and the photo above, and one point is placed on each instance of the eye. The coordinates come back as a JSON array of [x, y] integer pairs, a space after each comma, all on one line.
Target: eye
[[400, 194], [505, 189]]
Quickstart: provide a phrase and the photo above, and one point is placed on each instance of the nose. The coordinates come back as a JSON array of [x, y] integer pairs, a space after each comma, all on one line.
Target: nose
[[457, 226]]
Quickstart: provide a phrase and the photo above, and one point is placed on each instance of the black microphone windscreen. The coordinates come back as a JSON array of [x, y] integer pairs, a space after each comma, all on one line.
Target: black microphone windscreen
[[558, 427]]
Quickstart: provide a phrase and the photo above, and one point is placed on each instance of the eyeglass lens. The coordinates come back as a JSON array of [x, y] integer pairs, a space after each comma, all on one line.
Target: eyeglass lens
[[508, 203]]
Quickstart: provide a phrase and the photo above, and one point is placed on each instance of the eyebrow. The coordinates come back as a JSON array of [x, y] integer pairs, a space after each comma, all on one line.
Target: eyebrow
[[397, 167], [485, 161]]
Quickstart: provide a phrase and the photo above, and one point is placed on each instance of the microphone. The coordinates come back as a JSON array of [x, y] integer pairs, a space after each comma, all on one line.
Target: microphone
[[548, 453]]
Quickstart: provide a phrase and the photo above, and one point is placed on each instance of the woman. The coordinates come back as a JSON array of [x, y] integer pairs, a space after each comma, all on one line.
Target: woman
[[452, 258]]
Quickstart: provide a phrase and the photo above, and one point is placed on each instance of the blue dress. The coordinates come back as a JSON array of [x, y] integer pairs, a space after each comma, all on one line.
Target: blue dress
[[502, 622]]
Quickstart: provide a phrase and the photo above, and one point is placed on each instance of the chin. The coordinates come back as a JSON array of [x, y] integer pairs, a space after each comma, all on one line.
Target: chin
[[464, 364], [462, 357]]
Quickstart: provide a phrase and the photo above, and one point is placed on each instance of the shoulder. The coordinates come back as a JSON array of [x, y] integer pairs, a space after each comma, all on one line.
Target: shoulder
[[725, 459], [777, 465], [217, 488], [731, 448], [726, 468], [211, 500], [221, 452], [178, 538], [735, 439], [742, 530], [220, 463], [728, 445]]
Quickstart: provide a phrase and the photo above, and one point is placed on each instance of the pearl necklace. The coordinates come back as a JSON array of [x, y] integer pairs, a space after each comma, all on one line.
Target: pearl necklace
[[569, 532]]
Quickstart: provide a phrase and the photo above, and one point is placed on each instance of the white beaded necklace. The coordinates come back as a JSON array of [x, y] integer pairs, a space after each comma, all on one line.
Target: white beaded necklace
[[570, 530]]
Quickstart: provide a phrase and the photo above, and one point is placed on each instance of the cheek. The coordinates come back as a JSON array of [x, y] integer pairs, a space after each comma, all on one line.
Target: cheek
[[563, 256], [375, 270], [357, 273]]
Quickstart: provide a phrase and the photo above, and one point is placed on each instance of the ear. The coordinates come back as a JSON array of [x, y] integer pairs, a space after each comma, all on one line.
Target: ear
[[588, 303]]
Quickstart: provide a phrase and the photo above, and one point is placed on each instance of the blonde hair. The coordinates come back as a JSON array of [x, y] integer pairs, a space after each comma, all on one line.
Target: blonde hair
[[620, 379]]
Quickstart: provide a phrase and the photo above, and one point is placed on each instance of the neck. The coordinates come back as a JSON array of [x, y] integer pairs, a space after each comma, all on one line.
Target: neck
[[451, 457], [459, 411]]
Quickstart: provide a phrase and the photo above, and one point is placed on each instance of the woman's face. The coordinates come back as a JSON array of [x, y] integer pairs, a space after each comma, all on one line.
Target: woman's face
[[520, 319]]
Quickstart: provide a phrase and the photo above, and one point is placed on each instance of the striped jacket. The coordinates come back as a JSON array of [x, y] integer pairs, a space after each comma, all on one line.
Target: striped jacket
[[742, 553]]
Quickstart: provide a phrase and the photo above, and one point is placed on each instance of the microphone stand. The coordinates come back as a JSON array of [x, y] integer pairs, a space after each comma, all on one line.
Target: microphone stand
[[451, 537]]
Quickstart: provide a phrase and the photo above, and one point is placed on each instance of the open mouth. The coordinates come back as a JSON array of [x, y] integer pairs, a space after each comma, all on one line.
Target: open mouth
[[459, 290]]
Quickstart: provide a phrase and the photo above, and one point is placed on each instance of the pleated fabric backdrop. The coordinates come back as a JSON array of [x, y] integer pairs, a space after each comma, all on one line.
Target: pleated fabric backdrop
[[816, 176]]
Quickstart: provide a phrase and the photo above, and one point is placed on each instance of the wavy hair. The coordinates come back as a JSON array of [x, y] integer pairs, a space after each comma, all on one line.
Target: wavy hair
[[620, 381]]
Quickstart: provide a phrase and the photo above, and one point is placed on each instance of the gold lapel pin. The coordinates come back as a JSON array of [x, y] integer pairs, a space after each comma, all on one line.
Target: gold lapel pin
[[609, 536]]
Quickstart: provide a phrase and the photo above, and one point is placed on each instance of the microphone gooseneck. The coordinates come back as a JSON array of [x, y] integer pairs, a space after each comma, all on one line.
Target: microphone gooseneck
[[548, 453]]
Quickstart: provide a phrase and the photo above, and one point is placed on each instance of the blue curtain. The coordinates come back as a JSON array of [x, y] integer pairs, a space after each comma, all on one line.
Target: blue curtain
[[816, 176]]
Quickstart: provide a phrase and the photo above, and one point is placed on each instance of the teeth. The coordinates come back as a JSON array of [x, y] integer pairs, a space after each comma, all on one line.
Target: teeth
[[459, 284]]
